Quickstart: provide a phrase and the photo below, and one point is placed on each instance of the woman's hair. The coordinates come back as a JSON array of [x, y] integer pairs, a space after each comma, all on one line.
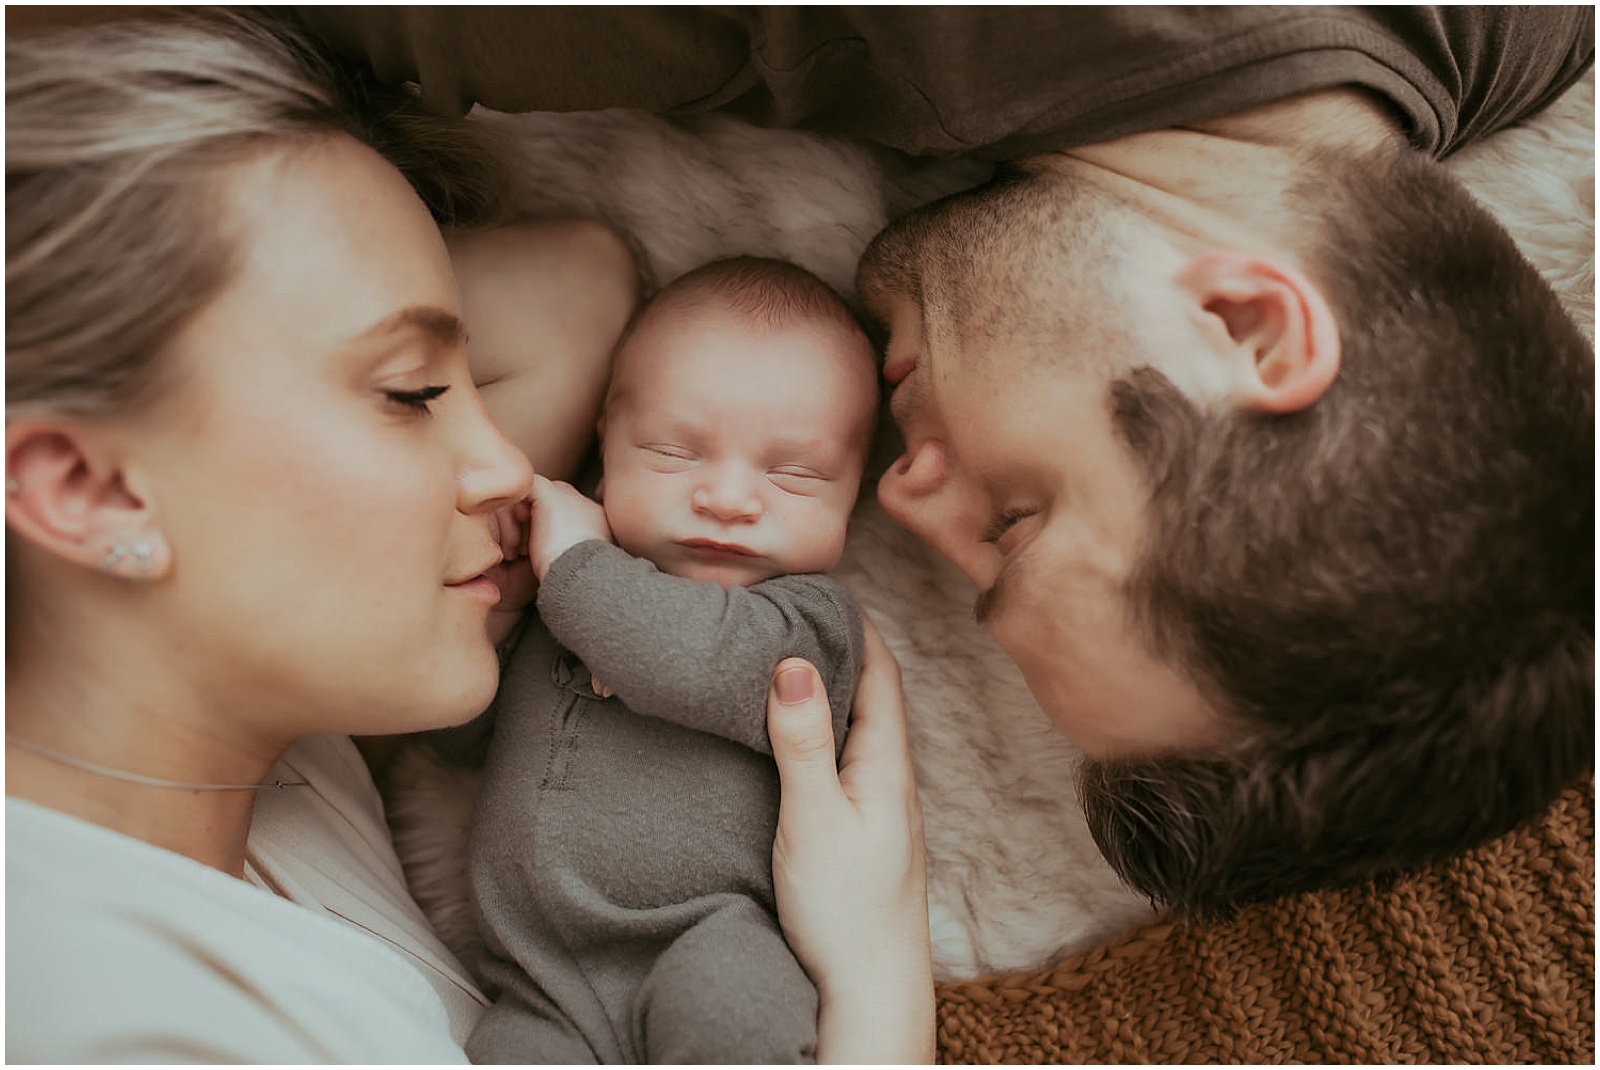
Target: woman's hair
[[118, 140], [1394, 587]]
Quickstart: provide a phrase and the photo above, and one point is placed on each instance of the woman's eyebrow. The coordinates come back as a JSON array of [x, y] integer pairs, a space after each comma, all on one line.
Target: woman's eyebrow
[[440, 326]]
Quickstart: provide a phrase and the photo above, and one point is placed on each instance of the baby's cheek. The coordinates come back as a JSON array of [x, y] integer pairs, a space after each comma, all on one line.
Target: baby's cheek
[[626, 522], [825, 533]]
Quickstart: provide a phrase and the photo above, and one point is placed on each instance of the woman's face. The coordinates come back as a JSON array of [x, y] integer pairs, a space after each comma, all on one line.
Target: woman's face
[[324, 469]]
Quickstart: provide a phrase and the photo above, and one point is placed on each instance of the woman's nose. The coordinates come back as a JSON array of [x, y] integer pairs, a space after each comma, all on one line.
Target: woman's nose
[[727, 496], [492, 472]]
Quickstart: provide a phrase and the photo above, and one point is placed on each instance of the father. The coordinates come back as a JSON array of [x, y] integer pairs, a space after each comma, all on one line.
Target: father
[[1271, 457]]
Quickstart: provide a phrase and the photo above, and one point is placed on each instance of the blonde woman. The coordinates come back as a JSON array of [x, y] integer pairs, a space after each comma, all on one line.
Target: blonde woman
[[248, 489]]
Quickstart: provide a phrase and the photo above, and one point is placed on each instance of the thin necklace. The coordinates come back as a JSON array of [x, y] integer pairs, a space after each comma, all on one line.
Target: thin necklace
[[135, 778]]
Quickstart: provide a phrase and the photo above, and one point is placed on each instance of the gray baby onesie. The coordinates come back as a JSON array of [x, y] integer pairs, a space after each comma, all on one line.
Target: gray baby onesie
[[621, 852]]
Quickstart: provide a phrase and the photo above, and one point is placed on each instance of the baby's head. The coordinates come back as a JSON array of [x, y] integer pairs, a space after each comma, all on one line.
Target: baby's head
[[737, 422]]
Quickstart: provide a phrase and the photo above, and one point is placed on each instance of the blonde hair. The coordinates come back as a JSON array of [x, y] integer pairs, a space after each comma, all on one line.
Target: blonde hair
[[118, 137]]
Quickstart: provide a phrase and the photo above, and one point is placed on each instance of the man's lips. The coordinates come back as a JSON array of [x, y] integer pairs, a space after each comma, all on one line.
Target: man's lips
[[896, 370], [712, 548]]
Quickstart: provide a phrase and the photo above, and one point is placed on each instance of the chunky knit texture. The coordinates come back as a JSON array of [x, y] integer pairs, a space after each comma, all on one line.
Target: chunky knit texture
[[1486, 958]]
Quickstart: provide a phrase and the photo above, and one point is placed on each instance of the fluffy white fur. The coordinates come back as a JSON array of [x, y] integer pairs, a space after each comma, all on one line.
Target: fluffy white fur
[[1015, 881]]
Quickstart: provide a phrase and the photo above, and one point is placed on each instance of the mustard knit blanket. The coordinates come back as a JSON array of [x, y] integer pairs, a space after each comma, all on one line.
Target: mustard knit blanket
[[1486, 959]]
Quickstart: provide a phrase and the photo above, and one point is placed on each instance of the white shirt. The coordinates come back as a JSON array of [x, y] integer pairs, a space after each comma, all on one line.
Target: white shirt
[[117, 951]]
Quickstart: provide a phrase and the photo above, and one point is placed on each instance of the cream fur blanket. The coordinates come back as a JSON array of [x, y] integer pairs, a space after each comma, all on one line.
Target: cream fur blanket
[[1015, 881]]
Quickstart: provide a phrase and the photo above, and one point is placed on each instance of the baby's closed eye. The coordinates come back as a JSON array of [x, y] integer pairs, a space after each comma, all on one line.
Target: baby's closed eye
[[669, 457], [798, 479]]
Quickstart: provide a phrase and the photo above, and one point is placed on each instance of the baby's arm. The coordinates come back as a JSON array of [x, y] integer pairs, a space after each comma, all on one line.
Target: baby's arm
[[694, 653]]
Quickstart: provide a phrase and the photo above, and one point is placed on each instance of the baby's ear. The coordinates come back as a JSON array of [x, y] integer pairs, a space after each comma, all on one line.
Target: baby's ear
[[600, 490]]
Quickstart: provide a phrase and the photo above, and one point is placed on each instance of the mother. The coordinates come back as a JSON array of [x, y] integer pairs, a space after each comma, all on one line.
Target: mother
[[248, 488]]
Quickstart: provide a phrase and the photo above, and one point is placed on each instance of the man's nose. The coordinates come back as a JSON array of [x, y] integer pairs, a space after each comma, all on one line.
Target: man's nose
[[727, 496], [926, 493]]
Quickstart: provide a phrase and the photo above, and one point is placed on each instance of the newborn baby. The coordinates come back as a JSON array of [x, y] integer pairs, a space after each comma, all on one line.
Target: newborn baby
[[621, 851]]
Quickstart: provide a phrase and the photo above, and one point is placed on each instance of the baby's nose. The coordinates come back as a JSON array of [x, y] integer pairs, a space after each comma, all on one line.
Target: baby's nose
[[727, 499]]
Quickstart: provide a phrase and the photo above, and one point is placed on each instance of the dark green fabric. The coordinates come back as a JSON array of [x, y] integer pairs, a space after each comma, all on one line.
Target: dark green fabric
[[989, 81]]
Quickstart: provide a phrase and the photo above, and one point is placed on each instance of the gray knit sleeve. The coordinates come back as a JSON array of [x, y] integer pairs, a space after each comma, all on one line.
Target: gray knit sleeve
[[695, 653]]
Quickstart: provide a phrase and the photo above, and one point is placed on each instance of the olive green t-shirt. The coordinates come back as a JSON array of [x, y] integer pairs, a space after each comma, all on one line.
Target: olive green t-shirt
[[994, 82]]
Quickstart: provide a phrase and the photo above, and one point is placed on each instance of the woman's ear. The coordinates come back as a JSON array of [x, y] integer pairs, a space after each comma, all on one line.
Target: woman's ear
[[66, 494], [1280, 332]]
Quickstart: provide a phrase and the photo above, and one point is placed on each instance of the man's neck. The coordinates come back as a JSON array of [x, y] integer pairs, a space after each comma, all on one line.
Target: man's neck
[[1227, 180], [1343, 120]]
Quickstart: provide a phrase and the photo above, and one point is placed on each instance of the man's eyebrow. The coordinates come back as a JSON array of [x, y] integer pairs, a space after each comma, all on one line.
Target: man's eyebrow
[[442, 327]]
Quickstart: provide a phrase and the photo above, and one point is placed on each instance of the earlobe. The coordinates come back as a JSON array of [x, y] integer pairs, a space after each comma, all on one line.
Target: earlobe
[[66, 497], [1282, 338]]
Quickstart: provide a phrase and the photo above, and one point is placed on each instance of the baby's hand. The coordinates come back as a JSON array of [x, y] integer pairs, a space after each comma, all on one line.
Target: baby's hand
[[562, 518], [509, 527]]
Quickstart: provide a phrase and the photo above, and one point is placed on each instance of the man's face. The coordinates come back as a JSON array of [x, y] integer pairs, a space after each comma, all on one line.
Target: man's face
[[1013, 470]]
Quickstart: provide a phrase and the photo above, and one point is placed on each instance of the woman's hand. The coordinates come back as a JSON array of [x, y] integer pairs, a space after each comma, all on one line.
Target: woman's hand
[[849, 866]]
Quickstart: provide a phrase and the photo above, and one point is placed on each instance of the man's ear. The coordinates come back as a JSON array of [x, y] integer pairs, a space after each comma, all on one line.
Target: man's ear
[[66, 494], [1275, 323]]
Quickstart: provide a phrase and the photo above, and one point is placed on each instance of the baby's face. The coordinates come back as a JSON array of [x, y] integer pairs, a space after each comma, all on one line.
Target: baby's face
[[732, 451]]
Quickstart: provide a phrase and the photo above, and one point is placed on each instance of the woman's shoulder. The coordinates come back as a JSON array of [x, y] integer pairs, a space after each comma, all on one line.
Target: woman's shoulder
[[118, 951], [327, 846]]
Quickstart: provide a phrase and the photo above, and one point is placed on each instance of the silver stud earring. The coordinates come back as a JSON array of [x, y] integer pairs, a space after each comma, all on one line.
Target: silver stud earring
[[114, 555], [140, 553]]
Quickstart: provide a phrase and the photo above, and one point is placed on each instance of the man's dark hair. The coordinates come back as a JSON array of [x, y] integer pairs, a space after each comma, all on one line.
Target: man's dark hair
[[1393, 589]]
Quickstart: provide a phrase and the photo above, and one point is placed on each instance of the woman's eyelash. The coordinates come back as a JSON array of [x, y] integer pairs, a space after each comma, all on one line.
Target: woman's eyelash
[[1004, 522], [416, 400]]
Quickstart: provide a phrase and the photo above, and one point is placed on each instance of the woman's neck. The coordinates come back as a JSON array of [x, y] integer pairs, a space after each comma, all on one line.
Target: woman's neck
[[117, 729]]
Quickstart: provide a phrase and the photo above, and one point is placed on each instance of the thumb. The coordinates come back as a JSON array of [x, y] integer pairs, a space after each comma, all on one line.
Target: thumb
[[800, 725]]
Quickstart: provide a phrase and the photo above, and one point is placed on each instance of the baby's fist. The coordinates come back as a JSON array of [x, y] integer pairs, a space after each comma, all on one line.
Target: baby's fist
[[562, 518]]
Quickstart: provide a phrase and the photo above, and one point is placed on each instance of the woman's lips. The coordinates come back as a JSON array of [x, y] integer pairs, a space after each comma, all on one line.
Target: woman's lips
[[479, 587]]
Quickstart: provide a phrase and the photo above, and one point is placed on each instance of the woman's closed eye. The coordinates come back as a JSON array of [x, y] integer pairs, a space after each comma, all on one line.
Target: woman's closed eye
[[416, 400]]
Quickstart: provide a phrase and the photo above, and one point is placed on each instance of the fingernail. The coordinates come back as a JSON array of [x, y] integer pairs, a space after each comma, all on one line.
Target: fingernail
[[793, 685]]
